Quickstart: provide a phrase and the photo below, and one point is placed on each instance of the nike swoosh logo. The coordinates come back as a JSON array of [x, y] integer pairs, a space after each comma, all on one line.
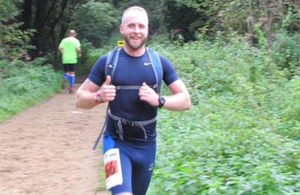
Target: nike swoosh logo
[[147, 63], [151, 167]]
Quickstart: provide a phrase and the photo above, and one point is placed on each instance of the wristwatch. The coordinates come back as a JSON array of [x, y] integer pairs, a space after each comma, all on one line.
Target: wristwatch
[[161, 101]]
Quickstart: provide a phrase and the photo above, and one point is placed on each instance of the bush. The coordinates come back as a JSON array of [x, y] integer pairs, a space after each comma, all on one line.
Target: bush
[[25, 84], [242, 134], [286, 52]]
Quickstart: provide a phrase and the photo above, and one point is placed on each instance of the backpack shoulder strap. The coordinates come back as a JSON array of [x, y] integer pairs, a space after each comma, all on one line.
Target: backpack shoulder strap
[[110, 67], [112, 62], [157, 67]]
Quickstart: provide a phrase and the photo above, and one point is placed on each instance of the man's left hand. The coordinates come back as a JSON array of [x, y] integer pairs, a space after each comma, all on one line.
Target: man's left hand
[[147, 94]]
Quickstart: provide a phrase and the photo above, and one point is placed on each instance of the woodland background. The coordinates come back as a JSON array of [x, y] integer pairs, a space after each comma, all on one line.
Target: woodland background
[[34, 28], [240, 60]]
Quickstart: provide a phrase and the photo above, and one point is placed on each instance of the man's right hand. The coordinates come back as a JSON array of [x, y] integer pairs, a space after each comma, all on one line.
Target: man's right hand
[[108, 91]]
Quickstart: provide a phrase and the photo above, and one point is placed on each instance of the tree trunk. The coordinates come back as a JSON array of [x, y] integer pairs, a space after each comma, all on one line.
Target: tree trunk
[[64, 5], [39, 13], [27, 14], [250, 23]]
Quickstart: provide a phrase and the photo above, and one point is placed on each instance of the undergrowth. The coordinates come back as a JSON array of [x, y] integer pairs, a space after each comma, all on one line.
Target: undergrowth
[[241, 135], [25, 84]]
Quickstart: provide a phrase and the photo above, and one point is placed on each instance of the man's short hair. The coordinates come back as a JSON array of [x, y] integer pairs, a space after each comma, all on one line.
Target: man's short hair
[[72, 33], [138, 8]]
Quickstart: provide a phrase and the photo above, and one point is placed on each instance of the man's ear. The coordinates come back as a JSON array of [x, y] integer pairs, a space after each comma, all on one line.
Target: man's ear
[[121, 29]]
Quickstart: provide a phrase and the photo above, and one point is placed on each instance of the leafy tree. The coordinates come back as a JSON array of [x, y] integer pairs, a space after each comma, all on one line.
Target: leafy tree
[[7, 10], [50, 21], [13, 41], [237, 15], [183, 21], [95, 21]]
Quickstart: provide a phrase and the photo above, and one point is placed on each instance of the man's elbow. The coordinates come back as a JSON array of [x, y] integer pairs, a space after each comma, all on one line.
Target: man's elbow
[[78, 101], [188, 103]]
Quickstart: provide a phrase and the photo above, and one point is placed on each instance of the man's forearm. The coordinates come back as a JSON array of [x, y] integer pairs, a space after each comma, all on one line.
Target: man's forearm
[[60, 50], [180, 100], [177, 102], [79, 52], [85, 100]]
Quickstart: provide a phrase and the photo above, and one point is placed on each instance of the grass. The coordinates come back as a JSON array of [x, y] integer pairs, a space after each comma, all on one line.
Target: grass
[[26, 86]]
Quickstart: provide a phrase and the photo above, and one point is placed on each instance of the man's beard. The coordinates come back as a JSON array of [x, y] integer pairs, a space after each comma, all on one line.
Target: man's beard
[[135, 47]]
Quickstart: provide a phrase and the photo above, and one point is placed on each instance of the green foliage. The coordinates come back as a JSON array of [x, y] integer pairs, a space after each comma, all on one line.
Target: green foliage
[[242, 134], [91, 54], [286, 52], [95, 21], [288, 19], [183, 20], [15, 42], [282, 105], [23, 84], [7, 11], [260, 20]]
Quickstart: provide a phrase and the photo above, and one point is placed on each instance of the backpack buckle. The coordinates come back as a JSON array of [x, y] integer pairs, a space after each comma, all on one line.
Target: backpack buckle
[[127, 122]]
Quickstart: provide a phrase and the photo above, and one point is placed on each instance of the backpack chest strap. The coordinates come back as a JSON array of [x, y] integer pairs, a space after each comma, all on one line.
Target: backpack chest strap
[[134, 87]]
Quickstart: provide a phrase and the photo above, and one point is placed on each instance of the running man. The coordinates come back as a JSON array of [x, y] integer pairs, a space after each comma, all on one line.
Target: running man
[[130, 133], [70, 49]]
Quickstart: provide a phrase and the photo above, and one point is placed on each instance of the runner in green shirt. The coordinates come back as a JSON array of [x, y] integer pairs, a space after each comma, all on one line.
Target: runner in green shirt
[[70, 49]]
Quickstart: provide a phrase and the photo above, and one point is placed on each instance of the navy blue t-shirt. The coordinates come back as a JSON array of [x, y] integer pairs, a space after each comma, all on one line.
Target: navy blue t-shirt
[[127, 104]]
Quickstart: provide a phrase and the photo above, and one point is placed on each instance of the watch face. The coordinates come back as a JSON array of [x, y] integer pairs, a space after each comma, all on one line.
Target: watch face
[[161, 101]]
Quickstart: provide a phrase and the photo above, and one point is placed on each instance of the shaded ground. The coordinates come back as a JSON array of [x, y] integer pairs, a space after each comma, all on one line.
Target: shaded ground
[[47, 149]]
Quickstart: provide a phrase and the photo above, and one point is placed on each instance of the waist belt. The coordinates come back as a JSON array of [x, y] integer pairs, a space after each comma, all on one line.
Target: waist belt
[[122, 121]]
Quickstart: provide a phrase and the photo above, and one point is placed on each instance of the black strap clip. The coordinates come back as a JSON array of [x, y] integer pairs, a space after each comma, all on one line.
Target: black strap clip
[[127, 123]]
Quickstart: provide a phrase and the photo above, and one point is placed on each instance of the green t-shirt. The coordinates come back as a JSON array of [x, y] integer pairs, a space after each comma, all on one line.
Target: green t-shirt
[[69, 46]]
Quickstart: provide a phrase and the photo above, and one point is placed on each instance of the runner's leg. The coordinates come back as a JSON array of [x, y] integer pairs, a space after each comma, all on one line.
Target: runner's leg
[[143, 168], [65, 77], [126, 165], [72, 77], [126, 174]]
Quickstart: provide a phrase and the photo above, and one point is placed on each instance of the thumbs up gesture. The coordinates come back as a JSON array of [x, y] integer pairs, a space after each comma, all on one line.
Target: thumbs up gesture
[[108, 91], [108, 80], [147, 94]]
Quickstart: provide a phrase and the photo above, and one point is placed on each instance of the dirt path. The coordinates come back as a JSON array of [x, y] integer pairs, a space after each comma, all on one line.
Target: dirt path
[[47, 149]]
